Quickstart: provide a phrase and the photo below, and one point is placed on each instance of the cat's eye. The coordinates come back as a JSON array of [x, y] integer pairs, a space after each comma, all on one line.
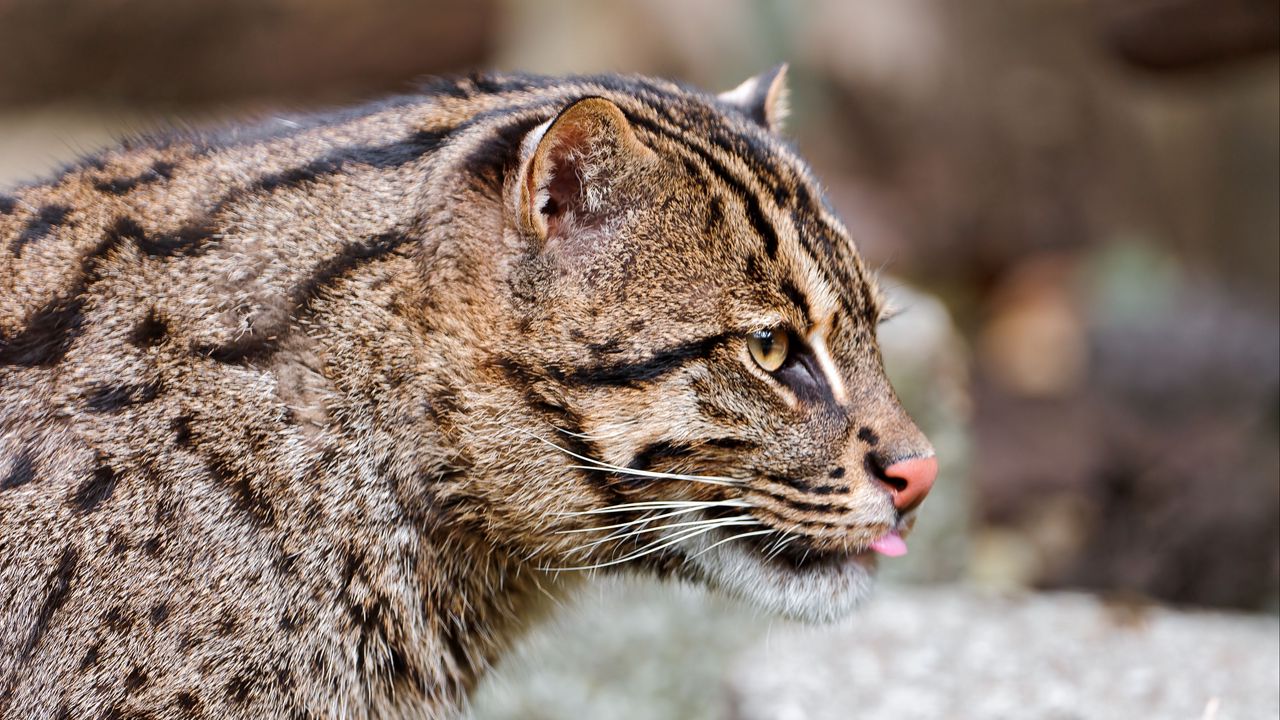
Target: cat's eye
[[768, 348]]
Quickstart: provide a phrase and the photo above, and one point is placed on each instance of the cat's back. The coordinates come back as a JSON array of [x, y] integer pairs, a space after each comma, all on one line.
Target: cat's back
[[146, 455]]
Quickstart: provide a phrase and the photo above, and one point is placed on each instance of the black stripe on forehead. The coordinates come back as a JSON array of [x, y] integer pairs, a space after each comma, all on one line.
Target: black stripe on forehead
[[797, 298], [755, 214], [820, 242]]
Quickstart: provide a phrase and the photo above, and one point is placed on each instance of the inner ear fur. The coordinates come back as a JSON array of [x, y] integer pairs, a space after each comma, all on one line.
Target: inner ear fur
[[763, 98], [568, 163]]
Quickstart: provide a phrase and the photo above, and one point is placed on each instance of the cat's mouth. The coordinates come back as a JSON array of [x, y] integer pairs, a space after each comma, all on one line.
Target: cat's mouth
[[800, 556], [790, 574]]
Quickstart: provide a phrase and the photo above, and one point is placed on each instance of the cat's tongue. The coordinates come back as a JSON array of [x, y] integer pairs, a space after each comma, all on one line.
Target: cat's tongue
[[891, 545]]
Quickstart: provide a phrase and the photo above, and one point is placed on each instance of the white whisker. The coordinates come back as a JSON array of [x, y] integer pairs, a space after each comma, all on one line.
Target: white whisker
[[715, 522], [708, 479], [731, 538], [602, 465], [599, 436], [653, 548], [778, 546], [658, 505], [645, 519]]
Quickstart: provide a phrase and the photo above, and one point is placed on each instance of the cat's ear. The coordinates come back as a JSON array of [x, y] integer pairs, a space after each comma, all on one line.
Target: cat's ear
[[569, 164], [762, 98]]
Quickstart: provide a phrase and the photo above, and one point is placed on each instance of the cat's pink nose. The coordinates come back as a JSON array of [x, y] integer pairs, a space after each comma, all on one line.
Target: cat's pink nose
[[909, 481]]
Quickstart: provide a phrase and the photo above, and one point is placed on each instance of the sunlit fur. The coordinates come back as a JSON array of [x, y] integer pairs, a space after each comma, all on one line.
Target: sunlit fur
[[308, 418]]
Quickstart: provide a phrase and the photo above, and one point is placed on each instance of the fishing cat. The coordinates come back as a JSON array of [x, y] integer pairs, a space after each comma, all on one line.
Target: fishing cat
[[305, 419]]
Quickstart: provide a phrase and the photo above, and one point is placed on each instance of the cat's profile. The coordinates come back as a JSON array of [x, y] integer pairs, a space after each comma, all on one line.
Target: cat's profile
[[305, 419]]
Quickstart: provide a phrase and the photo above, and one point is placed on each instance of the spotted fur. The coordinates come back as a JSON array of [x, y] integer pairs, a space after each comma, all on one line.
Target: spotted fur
[[305, 419]]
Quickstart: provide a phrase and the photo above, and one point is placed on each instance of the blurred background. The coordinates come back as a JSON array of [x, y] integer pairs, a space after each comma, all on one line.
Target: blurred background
[[1076, 202]]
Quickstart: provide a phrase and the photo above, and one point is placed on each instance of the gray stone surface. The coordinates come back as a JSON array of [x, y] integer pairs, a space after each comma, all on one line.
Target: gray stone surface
[[636, 650], [950, 653]]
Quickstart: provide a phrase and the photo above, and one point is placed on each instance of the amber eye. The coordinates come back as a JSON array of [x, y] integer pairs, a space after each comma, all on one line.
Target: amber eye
[[769, 348]]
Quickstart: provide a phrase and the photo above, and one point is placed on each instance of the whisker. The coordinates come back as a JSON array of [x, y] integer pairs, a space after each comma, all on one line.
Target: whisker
[[778, 546], [708, 479], [731, 538], [645, 519], [658, 505], [589, 436], [653, 548], [602, 465], [715, 522]]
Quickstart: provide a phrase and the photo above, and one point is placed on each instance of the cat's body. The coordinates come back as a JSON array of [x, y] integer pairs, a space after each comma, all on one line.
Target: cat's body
[[293, 420]]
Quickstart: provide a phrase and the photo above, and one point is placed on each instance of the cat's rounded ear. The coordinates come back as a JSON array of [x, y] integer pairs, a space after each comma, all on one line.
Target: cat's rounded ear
[[762, 98], [569, 163]]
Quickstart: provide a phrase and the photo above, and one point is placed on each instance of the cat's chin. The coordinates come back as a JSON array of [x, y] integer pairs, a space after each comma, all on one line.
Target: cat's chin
[[819, 591]]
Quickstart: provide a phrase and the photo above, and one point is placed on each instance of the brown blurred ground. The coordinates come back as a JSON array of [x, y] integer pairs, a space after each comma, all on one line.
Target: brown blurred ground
[[1090, 188]]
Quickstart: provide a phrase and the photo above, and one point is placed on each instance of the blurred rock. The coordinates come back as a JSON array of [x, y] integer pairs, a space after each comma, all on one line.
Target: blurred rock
[[625, 649], [638, 650], [928, 363], [917, 654]]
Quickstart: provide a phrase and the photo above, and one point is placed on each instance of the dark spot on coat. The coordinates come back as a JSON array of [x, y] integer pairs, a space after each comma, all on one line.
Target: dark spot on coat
[[119, 543], [186, 701], [404, 672], [715, 215], [59, 587], [189, 240], [136, 678], [868, 436], [110, 397], [284, 563], [161, 170], [21, 471], [836, 473], [91, 657], [48, 334], [48, 218], [284, 678], [301, 175], [50, 330], [612, 346], [181, 427], [96, 490], [159, 613], [244, 495], [118, 619], [152, 546], [188, 640], [226, 624], [8, 204], [238, 689], [150, 332]]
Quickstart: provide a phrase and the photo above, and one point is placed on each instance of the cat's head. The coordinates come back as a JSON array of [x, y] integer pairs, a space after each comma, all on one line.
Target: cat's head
[[698, 351]]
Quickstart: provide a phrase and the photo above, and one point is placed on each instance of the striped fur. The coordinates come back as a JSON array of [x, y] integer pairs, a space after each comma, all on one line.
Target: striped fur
[[303, 419]]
